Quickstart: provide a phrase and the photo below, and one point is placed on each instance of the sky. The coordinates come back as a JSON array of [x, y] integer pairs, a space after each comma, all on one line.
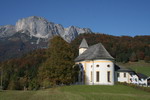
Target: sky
[[113, 17]]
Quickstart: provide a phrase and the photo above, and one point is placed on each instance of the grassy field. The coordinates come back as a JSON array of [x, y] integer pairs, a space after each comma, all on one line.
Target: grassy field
[[78, 92], [140, 67]]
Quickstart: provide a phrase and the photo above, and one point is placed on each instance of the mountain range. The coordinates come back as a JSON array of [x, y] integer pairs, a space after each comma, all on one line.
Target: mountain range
[[31, 33], [40, 28]]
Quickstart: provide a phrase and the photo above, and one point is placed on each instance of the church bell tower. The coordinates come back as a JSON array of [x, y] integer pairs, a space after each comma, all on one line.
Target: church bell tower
[[83, 46]]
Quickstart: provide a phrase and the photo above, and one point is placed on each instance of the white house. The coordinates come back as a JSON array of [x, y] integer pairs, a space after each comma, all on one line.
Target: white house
[[97, 68], [127, 75], [130, 76]]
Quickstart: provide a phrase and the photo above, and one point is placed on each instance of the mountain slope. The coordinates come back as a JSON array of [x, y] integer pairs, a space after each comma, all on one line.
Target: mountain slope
[[19, 44], [32, 33]]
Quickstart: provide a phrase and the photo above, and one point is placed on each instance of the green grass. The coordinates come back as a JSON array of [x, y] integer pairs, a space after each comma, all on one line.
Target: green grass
[[79, 92], [140, 67]]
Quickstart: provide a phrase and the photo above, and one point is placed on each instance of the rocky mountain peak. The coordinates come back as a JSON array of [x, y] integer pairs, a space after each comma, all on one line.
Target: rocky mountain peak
[[7, 30], [32, 33], [41, 28]]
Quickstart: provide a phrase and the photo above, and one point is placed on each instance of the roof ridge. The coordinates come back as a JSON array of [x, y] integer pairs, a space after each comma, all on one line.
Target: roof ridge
[[96, 51]]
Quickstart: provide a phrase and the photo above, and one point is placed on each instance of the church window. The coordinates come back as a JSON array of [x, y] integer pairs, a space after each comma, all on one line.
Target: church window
[[124, 74], [97, 76], [108, 65], [97, 65], [108, 76], [91, 76]]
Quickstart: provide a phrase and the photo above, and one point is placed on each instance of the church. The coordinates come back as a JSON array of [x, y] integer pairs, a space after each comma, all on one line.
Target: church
[[97, 67], [96, 64]]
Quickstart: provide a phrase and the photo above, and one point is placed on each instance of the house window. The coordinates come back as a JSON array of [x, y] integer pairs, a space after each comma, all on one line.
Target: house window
[[97, 76], [131, 79], [118, 74], [97, 65], [91, 76], [124, 74], [108, 65], [108, 76]]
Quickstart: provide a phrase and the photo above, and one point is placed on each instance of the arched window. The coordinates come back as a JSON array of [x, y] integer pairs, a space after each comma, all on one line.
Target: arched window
[[108, 65], [97, 65], [91, 76], [97, 76], [108, 76]]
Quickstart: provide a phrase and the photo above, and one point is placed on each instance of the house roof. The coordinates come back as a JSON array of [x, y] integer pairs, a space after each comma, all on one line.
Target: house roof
[[94, 52], [140, 75], [83, 44], [123, 69], [116, 67]]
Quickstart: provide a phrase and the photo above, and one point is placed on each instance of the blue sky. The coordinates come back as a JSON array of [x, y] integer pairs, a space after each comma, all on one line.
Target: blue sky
[[114, 17]]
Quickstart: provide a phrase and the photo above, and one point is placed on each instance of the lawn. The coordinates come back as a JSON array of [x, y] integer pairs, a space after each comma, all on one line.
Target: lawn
[[140, 67], [79, 92]]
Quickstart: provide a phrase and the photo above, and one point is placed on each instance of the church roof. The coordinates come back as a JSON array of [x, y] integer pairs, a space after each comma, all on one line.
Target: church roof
[[94, 52], [83, 44]]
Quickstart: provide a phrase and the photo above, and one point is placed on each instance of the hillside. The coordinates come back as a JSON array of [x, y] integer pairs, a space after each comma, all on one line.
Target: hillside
[[78, 92], [32, 33], [139, 67], [122, 48], [30, 70]]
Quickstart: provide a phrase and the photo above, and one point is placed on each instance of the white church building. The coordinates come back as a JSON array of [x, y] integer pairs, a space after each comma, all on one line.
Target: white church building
[[97, 67]]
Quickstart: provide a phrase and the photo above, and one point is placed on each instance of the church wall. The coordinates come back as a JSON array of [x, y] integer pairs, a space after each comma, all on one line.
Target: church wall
[[98, 66]]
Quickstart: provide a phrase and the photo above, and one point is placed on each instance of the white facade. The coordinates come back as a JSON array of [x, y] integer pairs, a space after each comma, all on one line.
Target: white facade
[[131, 78], [123, 77], [143, 82], [98, 72], [134, 79]]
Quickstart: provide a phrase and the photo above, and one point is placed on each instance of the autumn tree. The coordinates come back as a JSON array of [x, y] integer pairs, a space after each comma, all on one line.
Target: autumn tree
[[133, 57], [58, 67]]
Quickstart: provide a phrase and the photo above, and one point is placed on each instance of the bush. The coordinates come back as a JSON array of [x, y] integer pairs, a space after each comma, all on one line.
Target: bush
[[147, 59]]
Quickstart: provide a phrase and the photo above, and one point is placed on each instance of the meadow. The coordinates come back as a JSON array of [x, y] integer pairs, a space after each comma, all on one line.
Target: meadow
[[78, 92], [139, 67]]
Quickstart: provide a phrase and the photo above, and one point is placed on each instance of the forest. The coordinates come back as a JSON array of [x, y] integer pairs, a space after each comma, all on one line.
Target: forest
[[44, 68], [122, 48]]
